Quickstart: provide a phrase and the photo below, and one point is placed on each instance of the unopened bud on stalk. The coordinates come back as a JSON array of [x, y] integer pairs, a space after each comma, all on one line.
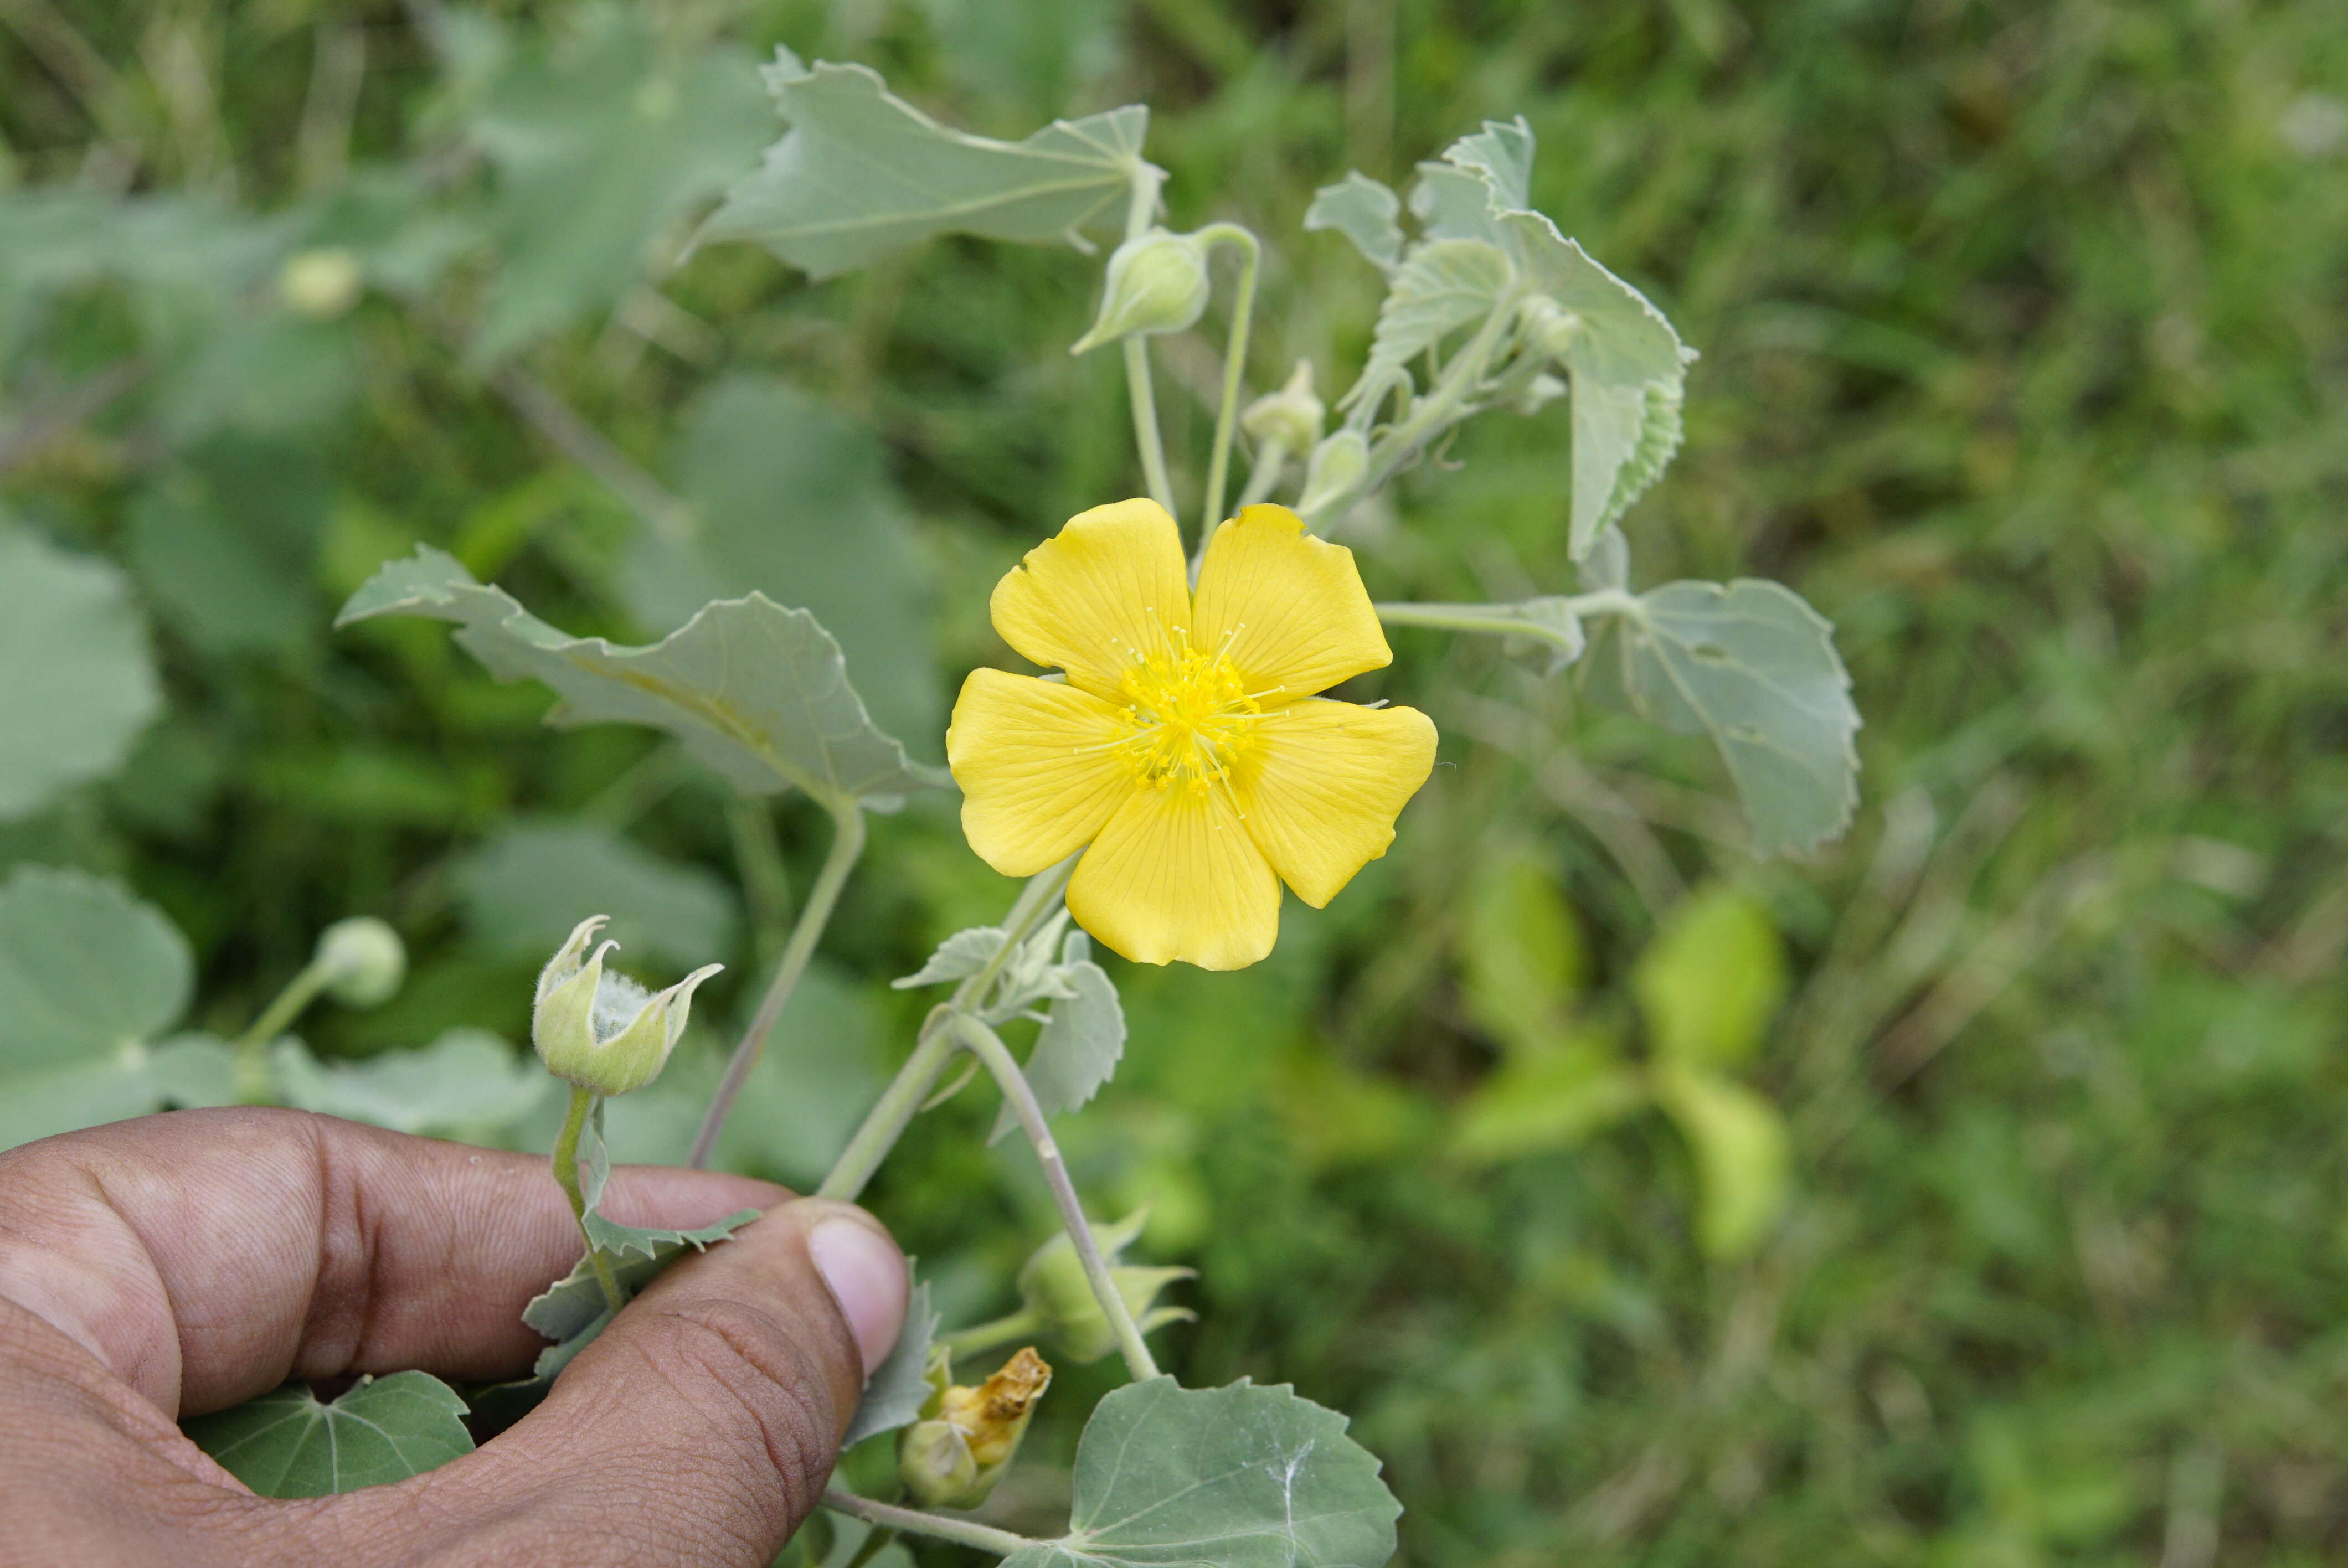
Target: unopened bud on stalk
[[360, 961], [1157, 283], [602, 1030], [966, 1438], [1053, 1287], [1549, 326], [1290, 416], [321, 284], [1337, 466]]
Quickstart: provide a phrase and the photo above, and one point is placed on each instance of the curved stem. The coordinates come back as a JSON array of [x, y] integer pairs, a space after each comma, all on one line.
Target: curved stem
[[847, 843], [566, 1176], [988, 1049], [964, 1531], [892, 1113], [1234, 367], [903, 1099], [1146, 435], [985, 1336], [251, 1067]]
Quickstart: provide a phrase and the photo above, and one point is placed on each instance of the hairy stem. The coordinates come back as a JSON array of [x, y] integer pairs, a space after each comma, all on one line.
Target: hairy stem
[[566, 1176], [986, 1337], [847, 843], [1442, 406], [1234, 367], [962, 1531], [988, 1049], [252, 1068], [935, 1046], [893, 1112]]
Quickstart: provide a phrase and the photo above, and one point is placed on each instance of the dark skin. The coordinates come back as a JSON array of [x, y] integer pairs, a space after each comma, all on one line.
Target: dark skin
[[180, 1264]]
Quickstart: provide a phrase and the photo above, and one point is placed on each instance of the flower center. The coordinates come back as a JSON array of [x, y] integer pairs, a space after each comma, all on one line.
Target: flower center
[[1189, 716]]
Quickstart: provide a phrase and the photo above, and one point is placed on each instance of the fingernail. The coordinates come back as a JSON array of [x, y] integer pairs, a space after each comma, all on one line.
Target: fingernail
[[867, 1276]]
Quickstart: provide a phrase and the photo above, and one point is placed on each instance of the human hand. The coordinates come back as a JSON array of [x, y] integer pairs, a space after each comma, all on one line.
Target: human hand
[[180, 1264]]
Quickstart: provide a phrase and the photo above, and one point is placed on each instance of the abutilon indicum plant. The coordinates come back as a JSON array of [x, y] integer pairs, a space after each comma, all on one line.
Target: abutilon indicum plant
[[1175, 761]]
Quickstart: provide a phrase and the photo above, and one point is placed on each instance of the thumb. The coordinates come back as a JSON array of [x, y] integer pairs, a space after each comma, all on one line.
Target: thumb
[[701, 1426]]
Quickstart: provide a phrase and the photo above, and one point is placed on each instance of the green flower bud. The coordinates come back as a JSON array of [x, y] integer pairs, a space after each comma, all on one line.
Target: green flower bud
[[360, 961], [967, 1438], [321, 284], [1337, 466], [1549, 326], [1290, 416], [1157, 283], [601, 1030], [1053, 1287]]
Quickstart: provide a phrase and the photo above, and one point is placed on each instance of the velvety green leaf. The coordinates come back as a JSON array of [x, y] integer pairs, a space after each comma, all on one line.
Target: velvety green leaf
[[191, 1070], [1442, 285], [1502, 152], [525, 888], [598, 150], [862, 173], [898, 1387], [1711, 980], [85, 971], [1364, 210], [1626, 367], [1549, 1101], [288, 1444], [1756, 668], [468, 1081], [1082, 1040], [1239, 1477], [1741, 1156], [77, 680], [958, 958], [757, 692], [793, 499]]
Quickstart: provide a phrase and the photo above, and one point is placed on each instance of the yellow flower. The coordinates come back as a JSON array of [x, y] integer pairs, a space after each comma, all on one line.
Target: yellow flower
[[1186, 747]]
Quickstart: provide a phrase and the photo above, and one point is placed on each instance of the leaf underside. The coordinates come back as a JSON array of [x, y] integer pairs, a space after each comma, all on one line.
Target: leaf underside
[[757, 692], [289, 1444]]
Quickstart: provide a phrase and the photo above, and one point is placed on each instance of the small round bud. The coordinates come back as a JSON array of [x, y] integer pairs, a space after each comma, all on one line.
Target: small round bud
[[1157, 283], [602, 1030], [361, 960], [1337, 468], [1290, 416], [1549, 326], [321, 284]]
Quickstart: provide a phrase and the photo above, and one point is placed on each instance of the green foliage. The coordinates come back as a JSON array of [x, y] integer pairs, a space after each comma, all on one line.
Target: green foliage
[[863, 173], [757, 692], [77, 684], [467, 1083], [527, 885], [1755, 668], [1245, 1477], [382, 1430], [898, 1387]]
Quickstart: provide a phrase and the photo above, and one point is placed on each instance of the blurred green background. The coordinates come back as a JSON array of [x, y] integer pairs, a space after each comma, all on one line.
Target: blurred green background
[[2025, 338]]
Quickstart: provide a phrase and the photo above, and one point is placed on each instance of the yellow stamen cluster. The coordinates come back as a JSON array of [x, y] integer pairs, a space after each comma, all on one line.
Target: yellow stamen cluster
[[1189, 716]]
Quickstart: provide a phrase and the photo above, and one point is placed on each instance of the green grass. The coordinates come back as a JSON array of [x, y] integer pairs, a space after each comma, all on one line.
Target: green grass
[[2025, 338]]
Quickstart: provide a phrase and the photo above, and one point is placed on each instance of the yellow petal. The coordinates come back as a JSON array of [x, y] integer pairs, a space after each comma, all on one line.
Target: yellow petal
[[1038, 777], [1109, 588], [1323, 784], [1293, 607], [1175, 875]]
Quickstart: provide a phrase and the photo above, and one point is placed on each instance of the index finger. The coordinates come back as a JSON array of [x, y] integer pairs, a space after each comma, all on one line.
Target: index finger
[[208, 1255]]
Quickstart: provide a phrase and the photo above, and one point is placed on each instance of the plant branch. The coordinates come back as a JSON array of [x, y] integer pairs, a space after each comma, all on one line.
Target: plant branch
[[1512, 619], [962, 1531], [1234, 367], [983, 1043], [847, 843], [566, 1174]]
